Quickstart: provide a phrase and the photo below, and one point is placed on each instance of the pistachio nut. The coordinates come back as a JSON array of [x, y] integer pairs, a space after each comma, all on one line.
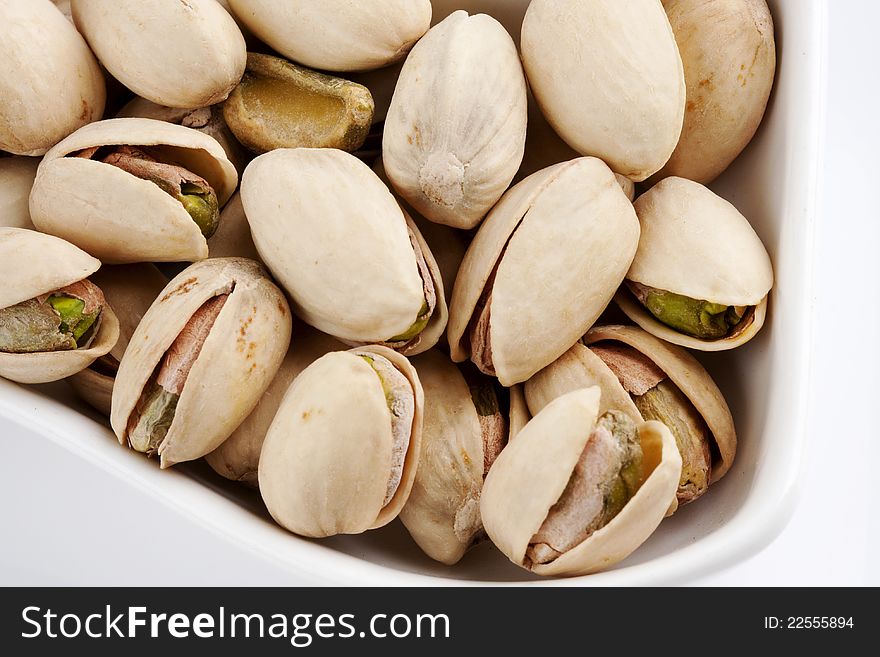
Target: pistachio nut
[[456, 129], [238, 456], [353, 263], [343, 449], [200, 360], [179, 54], [701, 275], [649, 379], [729, 56], [233, 236], [134, 190], [205, 119], [598, 486], [337, 35], [515, 310], [465, 429], [16, 180], [609, 79], [130, 290], [50, 82], [279, 104], [54, 322]]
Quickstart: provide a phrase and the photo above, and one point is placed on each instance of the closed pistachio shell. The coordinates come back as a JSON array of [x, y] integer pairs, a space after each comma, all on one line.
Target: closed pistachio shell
[[545, 454], [338, 241], [337, 35], [696, 244], [609, 78], [538, 306], [220, 378], [50, 82], [180, 54], [33, 264], [456, 129], [16, 180], [327, 464], [729, 56], [116, 216]]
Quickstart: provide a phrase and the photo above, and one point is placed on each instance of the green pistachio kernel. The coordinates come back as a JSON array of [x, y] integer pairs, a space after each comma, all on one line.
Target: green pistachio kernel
[[58, 324], [202, 206], [156, 415], [697, 318], [417, 327]]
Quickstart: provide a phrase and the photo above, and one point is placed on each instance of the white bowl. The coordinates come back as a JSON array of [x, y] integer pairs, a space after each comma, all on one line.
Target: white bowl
[[773, 183]]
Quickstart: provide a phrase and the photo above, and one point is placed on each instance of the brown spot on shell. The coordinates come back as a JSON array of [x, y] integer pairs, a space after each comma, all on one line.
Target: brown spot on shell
[[183, 288]]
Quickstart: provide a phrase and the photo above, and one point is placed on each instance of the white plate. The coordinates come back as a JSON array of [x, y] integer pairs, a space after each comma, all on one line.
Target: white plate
[[773, 183]]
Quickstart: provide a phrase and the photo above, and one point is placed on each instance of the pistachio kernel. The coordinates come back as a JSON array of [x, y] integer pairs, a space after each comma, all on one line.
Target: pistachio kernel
[[704, 320]]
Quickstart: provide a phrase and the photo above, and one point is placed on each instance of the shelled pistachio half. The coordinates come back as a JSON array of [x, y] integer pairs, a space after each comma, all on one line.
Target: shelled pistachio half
[[279, 104], [541, 269], [701, 275], [134, 190], [343, 449], [54, 322], [200, 360], [16, 180], [649, 379], [465, 430], [577, 490], [353, 263]]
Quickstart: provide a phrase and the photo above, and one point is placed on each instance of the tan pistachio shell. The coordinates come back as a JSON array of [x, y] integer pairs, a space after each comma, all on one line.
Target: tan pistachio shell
[[519, 411], [337, 239], [233, 236], [130, 290], [180, 54], [729, 56], [443, 511], [236, 363], [697, 244], [337, 35], [545, 453], [239, 455], [456, 129], [16, 180], [577, 213], [116, 216], [32, 264], [608, 77], [326, 460], [50, 82]]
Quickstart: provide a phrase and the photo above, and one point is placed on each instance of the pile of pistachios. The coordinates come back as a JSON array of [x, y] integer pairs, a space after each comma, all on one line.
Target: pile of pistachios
[[444, 273]]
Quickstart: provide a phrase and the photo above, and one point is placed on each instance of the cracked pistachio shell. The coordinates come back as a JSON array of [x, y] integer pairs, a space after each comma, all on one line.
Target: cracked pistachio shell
[[116, 216], [130, 290], [696, 244], [179, 54], [729, 56], [456, 130], [562, 241], [50, 82], [609, 78], [327, 458], [32, 264], [16, 180], [236, 363], [335, 237], [239, 455], [532, 472], [337, 35]]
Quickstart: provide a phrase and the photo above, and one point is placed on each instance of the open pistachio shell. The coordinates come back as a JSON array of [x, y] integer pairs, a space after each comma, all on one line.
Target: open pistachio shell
[[338, 241], [239, 455], [33, 264], [115, 215], [179, 54], [545, 454], [456, 129], [343, 450], [233, 236], [541, 269], [16, 180], [50, 82], [337, 35], [696, 245], [200, 359], [130, 290]]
